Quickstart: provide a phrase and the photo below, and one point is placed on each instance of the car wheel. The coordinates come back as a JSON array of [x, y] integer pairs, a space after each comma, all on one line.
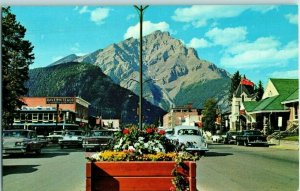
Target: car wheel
[[202, 153]]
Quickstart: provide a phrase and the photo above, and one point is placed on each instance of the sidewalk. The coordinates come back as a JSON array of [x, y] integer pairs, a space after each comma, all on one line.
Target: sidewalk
[[288, 145]]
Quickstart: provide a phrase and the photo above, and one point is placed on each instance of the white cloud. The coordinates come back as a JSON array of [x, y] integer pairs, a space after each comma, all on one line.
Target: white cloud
[[199, 15], [98, 15], [148, 27], [227, 36], [292, 18], [199, 43], [259, 55], [84, 9], [285, 74], [131, 16]]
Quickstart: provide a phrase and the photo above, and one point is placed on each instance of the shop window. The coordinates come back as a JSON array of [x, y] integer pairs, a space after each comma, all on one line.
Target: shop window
[[34, 117], [17, 117], [51, 117], [46, 117], [23, 117], [40, 117], [28, 117]]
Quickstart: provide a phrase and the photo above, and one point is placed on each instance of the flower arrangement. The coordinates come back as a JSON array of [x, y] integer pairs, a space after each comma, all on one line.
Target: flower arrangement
[[150, 144]]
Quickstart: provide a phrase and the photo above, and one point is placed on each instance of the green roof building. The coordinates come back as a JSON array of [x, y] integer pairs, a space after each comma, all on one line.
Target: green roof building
[[278, 108]]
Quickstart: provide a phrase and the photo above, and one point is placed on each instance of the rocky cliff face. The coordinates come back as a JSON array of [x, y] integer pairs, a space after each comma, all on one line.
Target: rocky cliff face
[[170, 70]]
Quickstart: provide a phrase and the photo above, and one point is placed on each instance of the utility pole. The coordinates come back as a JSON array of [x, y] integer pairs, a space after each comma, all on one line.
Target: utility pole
[[141, 10]]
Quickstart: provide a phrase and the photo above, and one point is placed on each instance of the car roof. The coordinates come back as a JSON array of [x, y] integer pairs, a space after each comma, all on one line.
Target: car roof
[[18, 130], [186, 127]]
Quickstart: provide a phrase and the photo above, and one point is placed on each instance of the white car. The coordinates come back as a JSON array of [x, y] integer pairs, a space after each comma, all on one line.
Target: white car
[[71, 138], [217, 138], [191, 138]]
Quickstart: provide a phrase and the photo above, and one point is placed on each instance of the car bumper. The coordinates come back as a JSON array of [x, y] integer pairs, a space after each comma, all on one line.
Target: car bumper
[[14, 150], [70, 143]]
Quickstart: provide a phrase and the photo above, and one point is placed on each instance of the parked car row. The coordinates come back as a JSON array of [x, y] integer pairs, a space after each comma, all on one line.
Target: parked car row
[[27, 141], [245, 137]]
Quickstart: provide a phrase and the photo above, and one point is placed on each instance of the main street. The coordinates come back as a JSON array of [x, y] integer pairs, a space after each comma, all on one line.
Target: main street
[[226, 167], [236, 168]]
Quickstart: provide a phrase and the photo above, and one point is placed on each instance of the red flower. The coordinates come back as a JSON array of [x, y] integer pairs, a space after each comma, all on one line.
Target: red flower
[[149, 130], [161, 132], [125, 131]]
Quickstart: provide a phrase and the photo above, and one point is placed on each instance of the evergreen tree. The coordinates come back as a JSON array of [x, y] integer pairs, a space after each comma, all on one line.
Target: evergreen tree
[[259, 91], [209, 115], [235, 81], [16, 57]]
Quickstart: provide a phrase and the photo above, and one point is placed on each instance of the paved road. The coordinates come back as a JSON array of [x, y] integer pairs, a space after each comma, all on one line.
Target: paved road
[[225, 168], [236, 168], [54, 170]]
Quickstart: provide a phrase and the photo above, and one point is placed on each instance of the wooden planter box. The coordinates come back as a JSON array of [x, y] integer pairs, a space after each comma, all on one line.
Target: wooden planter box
[[135, 175]]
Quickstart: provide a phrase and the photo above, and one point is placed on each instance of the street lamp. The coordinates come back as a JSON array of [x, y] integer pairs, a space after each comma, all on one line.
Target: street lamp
[[141, 10]]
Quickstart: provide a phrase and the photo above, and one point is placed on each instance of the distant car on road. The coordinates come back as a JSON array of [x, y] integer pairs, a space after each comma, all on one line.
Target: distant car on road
[[20, 141], [230, 137], [72, 138], [98, 139], [191, 138], [217, 138], [251, 137], [55, 136]]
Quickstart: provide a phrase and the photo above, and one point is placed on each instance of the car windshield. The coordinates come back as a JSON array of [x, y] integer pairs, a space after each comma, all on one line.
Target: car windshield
[[15, 133], [102, 133], [74, 133], [252, 132], [188, 132]]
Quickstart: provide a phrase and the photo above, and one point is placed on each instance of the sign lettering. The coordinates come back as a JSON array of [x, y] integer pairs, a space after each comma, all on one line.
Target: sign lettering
[[60, 100]]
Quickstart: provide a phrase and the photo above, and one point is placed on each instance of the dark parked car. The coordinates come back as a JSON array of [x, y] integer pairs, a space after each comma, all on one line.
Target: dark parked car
[[251, 137], [20, 141], [230, 137], [98, 139]]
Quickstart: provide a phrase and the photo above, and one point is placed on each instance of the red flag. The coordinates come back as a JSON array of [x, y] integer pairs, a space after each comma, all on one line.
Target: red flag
[[246, 82]]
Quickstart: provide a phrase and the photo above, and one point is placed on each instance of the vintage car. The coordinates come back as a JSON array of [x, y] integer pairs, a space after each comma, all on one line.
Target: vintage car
[[190, 138], [43, 140], [217, 138], [98, 140], [20, 141], [230, 137], [71, 138], [54, 136], [251, 137]]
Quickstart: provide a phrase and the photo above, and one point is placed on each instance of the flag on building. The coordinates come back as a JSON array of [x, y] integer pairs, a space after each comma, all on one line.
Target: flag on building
[[246, 82]]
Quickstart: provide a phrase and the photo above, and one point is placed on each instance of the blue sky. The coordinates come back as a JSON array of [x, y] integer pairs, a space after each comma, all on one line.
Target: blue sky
[[259, 41]]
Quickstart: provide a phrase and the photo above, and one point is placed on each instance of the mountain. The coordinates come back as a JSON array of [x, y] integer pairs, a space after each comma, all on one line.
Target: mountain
[[88, 81], [173, 74]]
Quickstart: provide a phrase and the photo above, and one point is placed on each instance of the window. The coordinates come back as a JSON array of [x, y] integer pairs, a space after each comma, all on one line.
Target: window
[[51, 117], [40, 117], [17, 117], [46, 117], [34, 117], [296, 108]]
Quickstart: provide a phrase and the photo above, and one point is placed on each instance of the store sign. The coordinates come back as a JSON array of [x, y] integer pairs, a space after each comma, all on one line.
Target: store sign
[[60, 100]]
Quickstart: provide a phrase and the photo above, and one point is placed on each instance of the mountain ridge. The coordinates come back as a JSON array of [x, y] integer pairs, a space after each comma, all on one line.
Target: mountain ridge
[[169, 67]]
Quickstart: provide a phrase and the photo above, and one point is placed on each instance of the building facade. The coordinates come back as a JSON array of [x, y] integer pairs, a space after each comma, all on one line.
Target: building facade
[[278, 109], [46, 114], [181, 114]]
